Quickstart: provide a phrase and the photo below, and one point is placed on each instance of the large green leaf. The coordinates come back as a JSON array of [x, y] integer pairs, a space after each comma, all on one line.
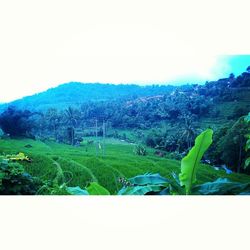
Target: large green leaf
[[147, 183], [95, 189], [190, 163], [142, 190], [247, 118], [247, 163], [148, 179], [248, 144], [221, 186], [77, 191]]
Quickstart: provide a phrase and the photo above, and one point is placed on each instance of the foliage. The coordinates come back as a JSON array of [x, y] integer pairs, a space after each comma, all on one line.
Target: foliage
[[247, 118], [15, 181], [231, 146], [189, 131], [19, 157], [96, 189], [146, 179], [77, 191], [215, 150], [53, 120], [142, 190], [145, 184], [239, 112], [191, 162], [71, 118], [52, 188], [16, 122], [221, 186], [247, 147], [140, 150], [1, 133]]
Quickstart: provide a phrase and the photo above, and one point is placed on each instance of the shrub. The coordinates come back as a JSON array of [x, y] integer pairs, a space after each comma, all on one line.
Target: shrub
[[15, 181], [140, 150]]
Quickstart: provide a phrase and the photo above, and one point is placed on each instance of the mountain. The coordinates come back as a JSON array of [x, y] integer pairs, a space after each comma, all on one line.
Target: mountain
[[75, 93]]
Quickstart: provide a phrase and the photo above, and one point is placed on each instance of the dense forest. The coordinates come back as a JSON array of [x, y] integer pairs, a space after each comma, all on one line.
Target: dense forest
[[166, 119]]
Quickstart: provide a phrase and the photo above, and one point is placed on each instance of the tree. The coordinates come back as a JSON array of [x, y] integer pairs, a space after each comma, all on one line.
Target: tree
[[247, 147], [231, 76], [71, 116], [53, 119], [231, 146], [16, 122], [189, 131]]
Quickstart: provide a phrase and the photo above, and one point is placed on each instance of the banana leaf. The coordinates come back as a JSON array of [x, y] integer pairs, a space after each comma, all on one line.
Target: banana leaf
[[222, 186], [142, 190], [95, 189], [165, 191], [191, 162], [245, 193], [247, 163], [175, 185], [148, 179], [248, 143], [77, 191], [247, 118]]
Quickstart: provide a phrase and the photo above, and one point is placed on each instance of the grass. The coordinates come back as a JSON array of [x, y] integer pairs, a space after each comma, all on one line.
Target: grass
[[81, 165]]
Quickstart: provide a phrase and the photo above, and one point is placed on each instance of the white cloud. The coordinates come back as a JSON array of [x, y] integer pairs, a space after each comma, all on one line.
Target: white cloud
[[51, 42]]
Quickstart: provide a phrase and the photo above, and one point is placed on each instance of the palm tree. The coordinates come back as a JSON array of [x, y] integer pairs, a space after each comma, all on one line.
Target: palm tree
[[53, 119], [189, 131], [71, 116]]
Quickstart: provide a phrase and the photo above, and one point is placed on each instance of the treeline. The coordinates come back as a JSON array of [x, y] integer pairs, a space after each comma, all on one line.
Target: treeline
[[141, 113], [75, 93]]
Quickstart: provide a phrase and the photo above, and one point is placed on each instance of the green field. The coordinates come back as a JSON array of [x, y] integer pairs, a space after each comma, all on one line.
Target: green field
[[81, 165]]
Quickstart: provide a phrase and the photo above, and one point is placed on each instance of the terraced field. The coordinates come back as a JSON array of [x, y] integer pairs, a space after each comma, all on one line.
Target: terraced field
[[81, 165]]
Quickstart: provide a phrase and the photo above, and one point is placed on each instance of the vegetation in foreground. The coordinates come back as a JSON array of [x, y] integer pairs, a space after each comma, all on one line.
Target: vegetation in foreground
[[58, 169]]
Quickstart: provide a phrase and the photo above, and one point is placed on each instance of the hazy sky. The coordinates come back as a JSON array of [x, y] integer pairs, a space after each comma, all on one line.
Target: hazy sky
[[46, 43]]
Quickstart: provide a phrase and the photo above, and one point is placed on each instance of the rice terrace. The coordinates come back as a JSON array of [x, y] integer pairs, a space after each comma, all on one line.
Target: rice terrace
[[105, 139]]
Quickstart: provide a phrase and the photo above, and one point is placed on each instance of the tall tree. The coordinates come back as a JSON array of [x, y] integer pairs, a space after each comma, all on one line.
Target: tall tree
[[232, 145], [53, 119], [71, 116], [16, 122]]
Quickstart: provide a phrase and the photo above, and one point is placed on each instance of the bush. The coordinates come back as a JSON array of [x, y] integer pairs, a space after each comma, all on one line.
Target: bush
[[15, 181], [140, 150]]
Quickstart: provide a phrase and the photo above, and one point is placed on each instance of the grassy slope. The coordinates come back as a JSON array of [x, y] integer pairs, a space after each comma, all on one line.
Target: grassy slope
[[81, 166]]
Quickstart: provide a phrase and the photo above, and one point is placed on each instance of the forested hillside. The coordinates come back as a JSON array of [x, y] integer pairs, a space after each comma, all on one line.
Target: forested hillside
[[162, 120], [76, 93]]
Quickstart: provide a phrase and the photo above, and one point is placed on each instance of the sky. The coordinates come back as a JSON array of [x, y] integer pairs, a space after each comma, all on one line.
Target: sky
[[47, 43]]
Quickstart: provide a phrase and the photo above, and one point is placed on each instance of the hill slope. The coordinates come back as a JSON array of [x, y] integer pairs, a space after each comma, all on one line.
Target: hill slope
[[231, 89], [75, 93]]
